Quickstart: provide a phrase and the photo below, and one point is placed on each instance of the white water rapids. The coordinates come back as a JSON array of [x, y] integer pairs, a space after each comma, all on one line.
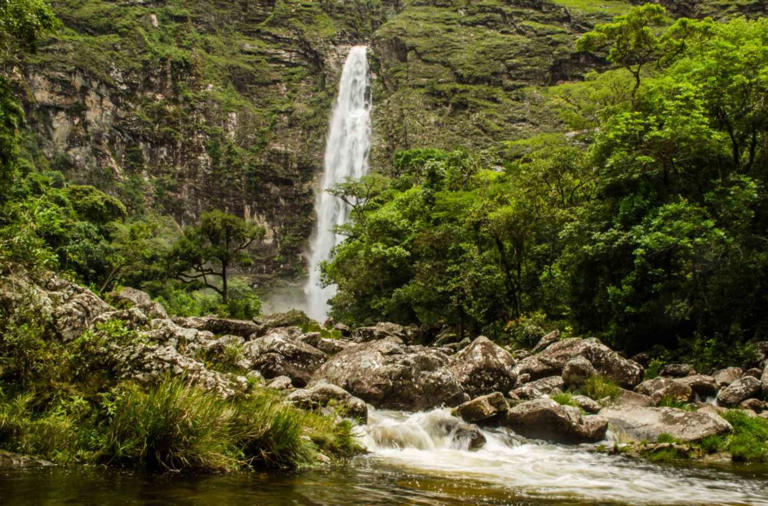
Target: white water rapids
[[346, 158], [534, 470]]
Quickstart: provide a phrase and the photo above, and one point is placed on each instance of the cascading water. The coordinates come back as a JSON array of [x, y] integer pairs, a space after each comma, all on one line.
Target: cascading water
[[346, 157]]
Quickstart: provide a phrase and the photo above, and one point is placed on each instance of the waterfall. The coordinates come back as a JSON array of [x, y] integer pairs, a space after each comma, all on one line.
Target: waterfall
[[346, 157]]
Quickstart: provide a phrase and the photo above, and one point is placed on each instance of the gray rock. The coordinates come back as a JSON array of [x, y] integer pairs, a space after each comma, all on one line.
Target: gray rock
[[725, 377], [390, 375], [292, 318], [764, 381], [277, 354], [280, 383], [677, 370], [535, 389], [215, 325], [754, 372], [381, 330], [753, 404], [545, 419], [661, 387], [628, 398], [607, 362], [10, 460], [323, 395], [585, 403], [702, 385], [483, 408], [577, 370], [547, 340], [483, 367], [647, 423], [128, 297], [739, 390], [133, 317]]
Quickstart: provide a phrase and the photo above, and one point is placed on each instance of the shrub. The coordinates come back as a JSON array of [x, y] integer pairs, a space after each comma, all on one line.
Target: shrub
[[565, 399], [597, 387]]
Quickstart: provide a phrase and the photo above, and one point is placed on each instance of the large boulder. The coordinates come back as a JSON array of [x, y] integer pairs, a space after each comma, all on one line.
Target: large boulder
[[607, 362], [663, 387], [128, 297], [764, 381], [322, 395], [74, 307], [546, 419], [242, 328], [725, 377], [577, 370], [292, 318], [535, 389], [702, 385], [381, 330], [739, 390], [482, 409], [677, 370], [391, 375], [647, 423], [630, 398], [278, 354], [484, 367], [547, 340]]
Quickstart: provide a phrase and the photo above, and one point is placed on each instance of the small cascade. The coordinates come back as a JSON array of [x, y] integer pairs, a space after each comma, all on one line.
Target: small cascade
[[346, 157]]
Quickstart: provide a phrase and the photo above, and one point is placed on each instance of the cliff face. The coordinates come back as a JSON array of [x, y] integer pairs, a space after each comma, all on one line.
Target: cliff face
[[179, 106]]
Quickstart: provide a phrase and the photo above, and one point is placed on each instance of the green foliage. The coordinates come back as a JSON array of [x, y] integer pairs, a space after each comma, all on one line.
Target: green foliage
[[749, 441], [597, 388], [564, 398]]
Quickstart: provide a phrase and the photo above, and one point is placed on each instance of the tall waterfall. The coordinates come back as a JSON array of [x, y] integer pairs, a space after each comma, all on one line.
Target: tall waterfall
[[346, 157]]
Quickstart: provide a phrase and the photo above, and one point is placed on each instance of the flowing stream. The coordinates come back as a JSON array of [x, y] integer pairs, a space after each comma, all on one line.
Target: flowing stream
[[414, 458], [346, 158]]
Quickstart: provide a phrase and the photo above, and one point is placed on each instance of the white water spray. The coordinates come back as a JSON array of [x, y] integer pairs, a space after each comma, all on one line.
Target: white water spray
[[346, 157]]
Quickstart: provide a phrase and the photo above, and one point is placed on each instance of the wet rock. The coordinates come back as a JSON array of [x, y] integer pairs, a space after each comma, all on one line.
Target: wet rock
[[391, 375], [215, 325], [545, 419], [535, 389], [277, 354], [469, 436], [483, 408], [381, 330], [547, 340], [677, 370], [663, 387], [577, 370], [585, 403], [323, 395], [739, 390], [648, 423], [725, 377], [484, 367], [280, 383], [128, 297], [607, 362], [702, 385]]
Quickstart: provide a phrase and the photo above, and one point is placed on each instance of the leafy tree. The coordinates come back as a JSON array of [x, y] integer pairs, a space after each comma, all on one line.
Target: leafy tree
[[210, 249]]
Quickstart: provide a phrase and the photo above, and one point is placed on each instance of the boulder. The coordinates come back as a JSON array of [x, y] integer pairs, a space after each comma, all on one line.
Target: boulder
[[280, 383], [764, 381], [725, 377], [133, 317], [739, 390], [128, 297], [677, 370], [535, 389], [292, 318], [545, 341], [323, 395], [74, 309], [663, 387], [585, 403], [647, 423], [277, 354], [484, 367], [391, 375], [483, 408], [754, 372], [577, 370], [546, 419], [753, 404], [324, 344], [10, 460], [381, 330], [630, 399], [702, 385], [607, 362], [215, 325]]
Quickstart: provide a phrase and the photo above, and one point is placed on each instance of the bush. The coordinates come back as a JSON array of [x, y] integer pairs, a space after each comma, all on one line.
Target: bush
[[597, 387]]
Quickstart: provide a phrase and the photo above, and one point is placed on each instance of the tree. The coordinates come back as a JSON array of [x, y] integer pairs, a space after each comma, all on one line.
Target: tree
[[210, 249]]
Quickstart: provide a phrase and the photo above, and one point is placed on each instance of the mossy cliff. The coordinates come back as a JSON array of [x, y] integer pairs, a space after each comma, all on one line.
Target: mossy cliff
[[182, 106]]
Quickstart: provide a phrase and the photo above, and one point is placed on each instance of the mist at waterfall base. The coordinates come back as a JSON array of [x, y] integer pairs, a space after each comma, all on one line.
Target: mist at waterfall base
[[346, 158]]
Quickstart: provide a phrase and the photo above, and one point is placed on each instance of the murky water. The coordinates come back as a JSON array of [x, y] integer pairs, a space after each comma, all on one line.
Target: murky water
[[414, 460]]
